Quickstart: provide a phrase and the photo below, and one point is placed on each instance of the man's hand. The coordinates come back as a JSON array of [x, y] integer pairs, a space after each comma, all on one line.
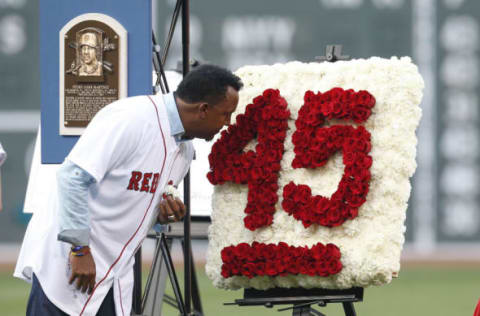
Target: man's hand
[[83, 270], [171, 210]]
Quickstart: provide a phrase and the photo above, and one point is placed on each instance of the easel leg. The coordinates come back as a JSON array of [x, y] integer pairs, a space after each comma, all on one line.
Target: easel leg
[[349, 309], [137, 282], [197, 303], [302, 310], [154, 295], [172, 274]]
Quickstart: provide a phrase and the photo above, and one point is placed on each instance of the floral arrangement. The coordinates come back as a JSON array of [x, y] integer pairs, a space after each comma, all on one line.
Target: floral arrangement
[[312, 180]]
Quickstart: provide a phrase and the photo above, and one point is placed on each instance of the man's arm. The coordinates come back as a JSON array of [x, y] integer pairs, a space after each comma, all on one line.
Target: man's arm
[[73, 184]]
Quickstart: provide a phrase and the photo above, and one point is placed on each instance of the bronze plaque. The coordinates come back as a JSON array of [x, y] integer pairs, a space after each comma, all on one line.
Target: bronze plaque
[[91, 71]]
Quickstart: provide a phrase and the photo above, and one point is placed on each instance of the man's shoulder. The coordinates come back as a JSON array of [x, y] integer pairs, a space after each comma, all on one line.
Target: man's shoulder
[[135, 105]]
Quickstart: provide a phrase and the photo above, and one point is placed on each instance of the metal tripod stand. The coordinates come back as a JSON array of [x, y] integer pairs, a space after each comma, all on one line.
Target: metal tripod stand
[[161, 269]]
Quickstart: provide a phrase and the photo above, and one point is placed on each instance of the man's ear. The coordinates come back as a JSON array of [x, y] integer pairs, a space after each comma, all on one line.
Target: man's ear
[[202, 110]]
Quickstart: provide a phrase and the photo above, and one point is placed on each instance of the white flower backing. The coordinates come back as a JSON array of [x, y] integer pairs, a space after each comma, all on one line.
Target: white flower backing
[[371, 243]]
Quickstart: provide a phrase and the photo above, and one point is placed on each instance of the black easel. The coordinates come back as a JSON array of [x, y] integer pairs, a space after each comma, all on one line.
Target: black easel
[[161, 269], [301, 299]]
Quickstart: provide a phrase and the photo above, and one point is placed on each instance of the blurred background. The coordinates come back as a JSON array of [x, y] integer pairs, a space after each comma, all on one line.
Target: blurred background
[[442, 37]]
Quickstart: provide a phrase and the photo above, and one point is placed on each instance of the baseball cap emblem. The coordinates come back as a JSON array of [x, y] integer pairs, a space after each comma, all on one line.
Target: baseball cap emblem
[[88, 39]]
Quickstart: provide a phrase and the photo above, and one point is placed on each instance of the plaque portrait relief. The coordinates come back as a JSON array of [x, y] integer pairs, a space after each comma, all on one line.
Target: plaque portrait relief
[[93, 69], [89, 53]]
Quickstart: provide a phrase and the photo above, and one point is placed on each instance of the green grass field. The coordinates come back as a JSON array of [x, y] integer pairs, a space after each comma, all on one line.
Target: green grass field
[[420, 290]]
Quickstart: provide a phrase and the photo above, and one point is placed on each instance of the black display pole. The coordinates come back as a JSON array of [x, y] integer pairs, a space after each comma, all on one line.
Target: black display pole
[[137, 282], [187, 252]]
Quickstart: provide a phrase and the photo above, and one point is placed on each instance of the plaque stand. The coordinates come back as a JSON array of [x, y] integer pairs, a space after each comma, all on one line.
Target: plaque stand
[[301, 299]]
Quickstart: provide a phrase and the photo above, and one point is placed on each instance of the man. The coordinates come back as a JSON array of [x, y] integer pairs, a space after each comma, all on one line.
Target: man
[[89, 64], [108, 188]]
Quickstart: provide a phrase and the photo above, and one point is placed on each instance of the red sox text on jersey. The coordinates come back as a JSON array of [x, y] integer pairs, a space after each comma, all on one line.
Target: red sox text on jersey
[[141, 181]]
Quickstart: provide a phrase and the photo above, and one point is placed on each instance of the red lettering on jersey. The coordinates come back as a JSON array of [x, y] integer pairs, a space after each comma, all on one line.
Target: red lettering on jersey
[[134, 180], [146, 182], [156, 176]]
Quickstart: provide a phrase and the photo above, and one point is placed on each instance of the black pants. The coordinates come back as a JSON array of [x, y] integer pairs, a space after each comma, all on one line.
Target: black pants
[[40, 305]]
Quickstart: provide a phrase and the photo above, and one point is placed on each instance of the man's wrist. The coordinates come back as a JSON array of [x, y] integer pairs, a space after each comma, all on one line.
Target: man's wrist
[[79, 251]]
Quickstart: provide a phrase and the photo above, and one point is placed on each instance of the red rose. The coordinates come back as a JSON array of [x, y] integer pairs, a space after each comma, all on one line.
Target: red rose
[[321, 267], [302, 266], [336, 93], [327, 109], [289, 206], [271, 197], [319, 205], [272, 156], [248, 270], [271, 93], [293, 268], [263, 219], [226, 271], [365, 98], [337, 108], [211, 178], [260, 268], [302, 194], [309, 96], [356, 200], [257, 173], [333, 215], [352, 212], [319, 251], [227, 254], [333, 251], [269, 251], [311, 269], [270, 268], [334, 266], [362, 145], [313, 119], [299, 138], [249, 223], [358, 187], [240, 250], [349, 158], [258, 101], [363, 161], [360, 114], [289, 190], [297, 163]]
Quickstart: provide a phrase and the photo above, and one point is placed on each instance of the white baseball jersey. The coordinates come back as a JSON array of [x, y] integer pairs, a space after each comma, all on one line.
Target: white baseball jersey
[[130, 152]]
